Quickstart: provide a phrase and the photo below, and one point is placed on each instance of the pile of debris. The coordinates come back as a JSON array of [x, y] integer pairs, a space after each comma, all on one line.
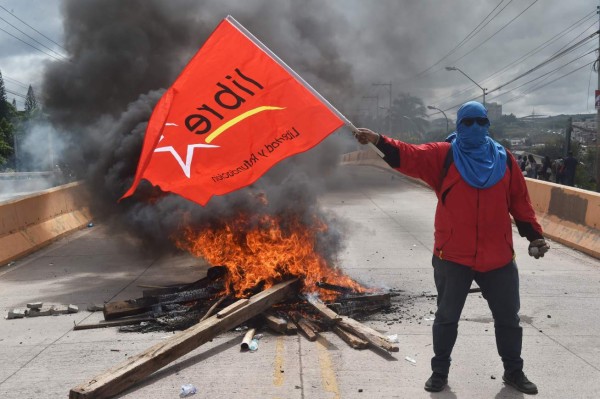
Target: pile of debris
[[37, 309], [203, 310], [179, 307]]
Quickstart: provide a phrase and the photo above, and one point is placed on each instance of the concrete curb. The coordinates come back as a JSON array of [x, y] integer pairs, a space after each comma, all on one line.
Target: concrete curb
[[31, 222]]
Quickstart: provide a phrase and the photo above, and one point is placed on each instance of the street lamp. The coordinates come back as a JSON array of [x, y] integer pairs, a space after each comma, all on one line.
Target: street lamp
[[467, 76], [443, 113]]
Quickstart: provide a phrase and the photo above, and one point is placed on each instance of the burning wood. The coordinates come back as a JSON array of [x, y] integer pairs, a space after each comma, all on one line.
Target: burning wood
[[256, 253], [262, 249], [134, 369], [334, 287]]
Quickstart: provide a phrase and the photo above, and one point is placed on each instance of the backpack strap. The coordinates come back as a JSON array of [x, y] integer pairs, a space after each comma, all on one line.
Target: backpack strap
[[447, 162]]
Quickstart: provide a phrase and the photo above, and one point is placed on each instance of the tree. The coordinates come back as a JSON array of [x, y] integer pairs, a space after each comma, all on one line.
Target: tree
[[6, 137], [31, 104], [4, 105], [408, 116]]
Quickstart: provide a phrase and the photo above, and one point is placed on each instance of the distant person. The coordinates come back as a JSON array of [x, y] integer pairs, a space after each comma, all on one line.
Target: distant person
[[478, 187], [531, 167], [559, 170], [570, 167], [546, 169], [522, 162]]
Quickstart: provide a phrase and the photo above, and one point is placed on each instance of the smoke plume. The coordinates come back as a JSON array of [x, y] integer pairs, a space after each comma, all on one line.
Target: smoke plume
[[123, 56]]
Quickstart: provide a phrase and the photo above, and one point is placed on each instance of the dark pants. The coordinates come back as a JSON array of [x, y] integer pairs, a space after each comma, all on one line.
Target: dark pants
[[499, 287]]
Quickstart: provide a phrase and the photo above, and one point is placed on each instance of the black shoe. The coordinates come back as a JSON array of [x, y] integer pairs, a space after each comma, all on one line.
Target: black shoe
[[436, 383], [519, 381]]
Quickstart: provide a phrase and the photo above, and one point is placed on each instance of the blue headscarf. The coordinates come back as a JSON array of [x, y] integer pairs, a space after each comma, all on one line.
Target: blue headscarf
[[480, 160]]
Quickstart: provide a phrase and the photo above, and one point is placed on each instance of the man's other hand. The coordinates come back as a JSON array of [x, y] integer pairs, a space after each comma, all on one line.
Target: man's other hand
[[364, 136], [537, 248]]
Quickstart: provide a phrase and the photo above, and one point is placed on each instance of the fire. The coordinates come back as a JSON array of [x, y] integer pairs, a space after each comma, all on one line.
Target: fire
[[262, 250]]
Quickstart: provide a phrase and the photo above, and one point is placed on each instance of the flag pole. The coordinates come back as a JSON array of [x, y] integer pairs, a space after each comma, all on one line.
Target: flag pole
[[299, 78]]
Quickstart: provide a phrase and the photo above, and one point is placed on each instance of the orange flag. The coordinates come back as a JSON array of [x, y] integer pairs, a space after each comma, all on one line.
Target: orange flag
[[234, 112]]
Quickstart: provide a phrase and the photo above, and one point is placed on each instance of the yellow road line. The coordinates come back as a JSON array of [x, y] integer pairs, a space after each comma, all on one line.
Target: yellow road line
[[278, 376], [328, 378]]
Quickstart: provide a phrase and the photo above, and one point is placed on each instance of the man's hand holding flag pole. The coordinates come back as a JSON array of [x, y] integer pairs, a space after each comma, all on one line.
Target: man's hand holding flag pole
[[234, 112]]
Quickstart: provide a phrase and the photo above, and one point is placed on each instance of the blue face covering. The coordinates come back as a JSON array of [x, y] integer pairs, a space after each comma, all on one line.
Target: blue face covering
[[480, 160]]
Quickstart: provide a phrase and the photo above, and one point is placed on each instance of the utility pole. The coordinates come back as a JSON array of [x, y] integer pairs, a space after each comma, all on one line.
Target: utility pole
[[443, 113], [568, 132], [389, 86], [448, 68], [376, 98], [598, 117]]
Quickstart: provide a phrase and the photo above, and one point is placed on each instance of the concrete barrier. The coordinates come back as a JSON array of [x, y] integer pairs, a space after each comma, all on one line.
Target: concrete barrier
[[568, 215], [30, 222]]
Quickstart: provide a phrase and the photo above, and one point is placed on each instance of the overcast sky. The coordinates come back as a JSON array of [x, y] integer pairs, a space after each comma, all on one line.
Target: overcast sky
[[375, 42]]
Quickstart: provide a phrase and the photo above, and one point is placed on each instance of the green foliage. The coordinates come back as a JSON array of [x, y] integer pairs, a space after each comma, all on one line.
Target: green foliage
[[6, 138], [585, 174], [31, 104], [5, 107], [409, 117]]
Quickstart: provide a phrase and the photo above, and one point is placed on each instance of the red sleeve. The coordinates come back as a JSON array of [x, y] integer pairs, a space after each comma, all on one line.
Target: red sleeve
[[422, 161], [520, 204]]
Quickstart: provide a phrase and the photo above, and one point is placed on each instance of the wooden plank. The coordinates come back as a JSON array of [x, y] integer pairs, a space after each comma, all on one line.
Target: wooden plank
[[136, 368], [327, 313], [211, 310], [307, 329], [349, 338], [291, 329], [367, 333], [112, 323], [232, 308], [305, 326], [275, 323], [130, 307]]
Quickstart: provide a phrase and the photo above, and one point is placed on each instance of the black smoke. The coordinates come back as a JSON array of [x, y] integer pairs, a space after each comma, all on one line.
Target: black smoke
[[123, 55]]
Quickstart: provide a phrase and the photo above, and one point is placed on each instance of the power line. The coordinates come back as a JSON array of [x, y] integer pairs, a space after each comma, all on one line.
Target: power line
[[552, 81], [523, 94], [468, 37], [547, 74], [38, 42], [495, 33], [15, 93], [14, 81], [531, 52], [547, 43], [549, 60], [34, 29], [31, 45]]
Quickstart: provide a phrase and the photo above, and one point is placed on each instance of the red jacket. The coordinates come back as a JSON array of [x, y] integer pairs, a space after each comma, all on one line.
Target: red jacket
[[472, 226]]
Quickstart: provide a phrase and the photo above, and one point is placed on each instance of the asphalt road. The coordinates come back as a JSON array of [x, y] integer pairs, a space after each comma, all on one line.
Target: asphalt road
[[389, 233]]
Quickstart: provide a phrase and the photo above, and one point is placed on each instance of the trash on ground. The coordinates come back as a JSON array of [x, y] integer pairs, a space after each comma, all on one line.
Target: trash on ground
[[410, 360], [187, 390], [253, 346], [393, 339]]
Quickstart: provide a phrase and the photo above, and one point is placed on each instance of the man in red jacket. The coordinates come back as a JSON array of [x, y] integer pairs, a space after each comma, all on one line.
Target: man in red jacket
[[479, 185]]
